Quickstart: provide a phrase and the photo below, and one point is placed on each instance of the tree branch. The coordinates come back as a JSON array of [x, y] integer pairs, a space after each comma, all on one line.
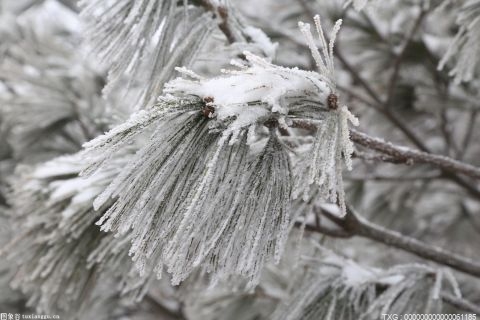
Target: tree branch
[[460, 303], [224, 24], [399, 59], [372, 231], [410, 156], [399, 154], [355, 225]]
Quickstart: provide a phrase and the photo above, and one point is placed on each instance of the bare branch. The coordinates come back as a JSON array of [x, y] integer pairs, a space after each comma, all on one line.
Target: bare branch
[[414, 156], [224, 24], [395, 239], [400, 154], [399, 59], [356, 225], [460, 303]]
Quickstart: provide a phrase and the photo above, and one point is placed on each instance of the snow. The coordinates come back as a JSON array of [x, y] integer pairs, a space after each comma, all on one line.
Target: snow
[[251, 93], [354, 274], [260, 38]]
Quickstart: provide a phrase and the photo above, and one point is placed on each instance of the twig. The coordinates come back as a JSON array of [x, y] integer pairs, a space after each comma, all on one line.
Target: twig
[[357, 77], [224, 24], [376, 177], [401, 154], [460, 303], [355, 95], [447, 134], [399, 58], [355, 225], [362, 227], [376, 157], [414, 156]]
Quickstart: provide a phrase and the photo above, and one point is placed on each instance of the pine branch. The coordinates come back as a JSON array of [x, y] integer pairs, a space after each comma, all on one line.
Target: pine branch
[[410, 156], [399, 154], [388, 112], [356, 225]]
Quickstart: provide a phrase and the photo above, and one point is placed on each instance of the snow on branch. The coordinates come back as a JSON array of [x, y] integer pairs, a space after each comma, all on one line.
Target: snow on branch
[[193, 150]]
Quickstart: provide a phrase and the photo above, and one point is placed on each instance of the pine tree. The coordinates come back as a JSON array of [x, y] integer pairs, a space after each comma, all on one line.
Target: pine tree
[[198, 159]]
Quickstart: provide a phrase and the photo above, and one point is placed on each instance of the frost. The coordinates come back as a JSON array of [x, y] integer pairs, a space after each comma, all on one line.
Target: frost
[[42, 121], [193, 149], [261, 39], [144, 40], [338, 288], [323, 165], [255, 92], [355, 275], [171, 194], [65, 236]]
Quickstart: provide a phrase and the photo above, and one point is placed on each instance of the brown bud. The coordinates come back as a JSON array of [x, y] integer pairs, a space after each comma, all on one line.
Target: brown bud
[[332, 101], [208, 100], [207, 111]]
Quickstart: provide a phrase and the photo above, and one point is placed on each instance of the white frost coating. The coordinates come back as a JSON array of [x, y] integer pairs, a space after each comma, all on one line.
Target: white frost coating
[[253, 93], [335, 287], [332, 142], [260, 38], [62, 232], [198, 150], [355, 275]]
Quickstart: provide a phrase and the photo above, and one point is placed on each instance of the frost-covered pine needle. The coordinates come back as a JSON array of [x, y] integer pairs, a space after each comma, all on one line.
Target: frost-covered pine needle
[[176, 194], [52, 247], [332, 141], [144, 40], [338, 288]]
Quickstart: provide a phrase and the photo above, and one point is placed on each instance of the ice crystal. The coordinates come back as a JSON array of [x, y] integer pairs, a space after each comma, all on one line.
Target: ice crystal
[[465, 48], [258, 91]]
